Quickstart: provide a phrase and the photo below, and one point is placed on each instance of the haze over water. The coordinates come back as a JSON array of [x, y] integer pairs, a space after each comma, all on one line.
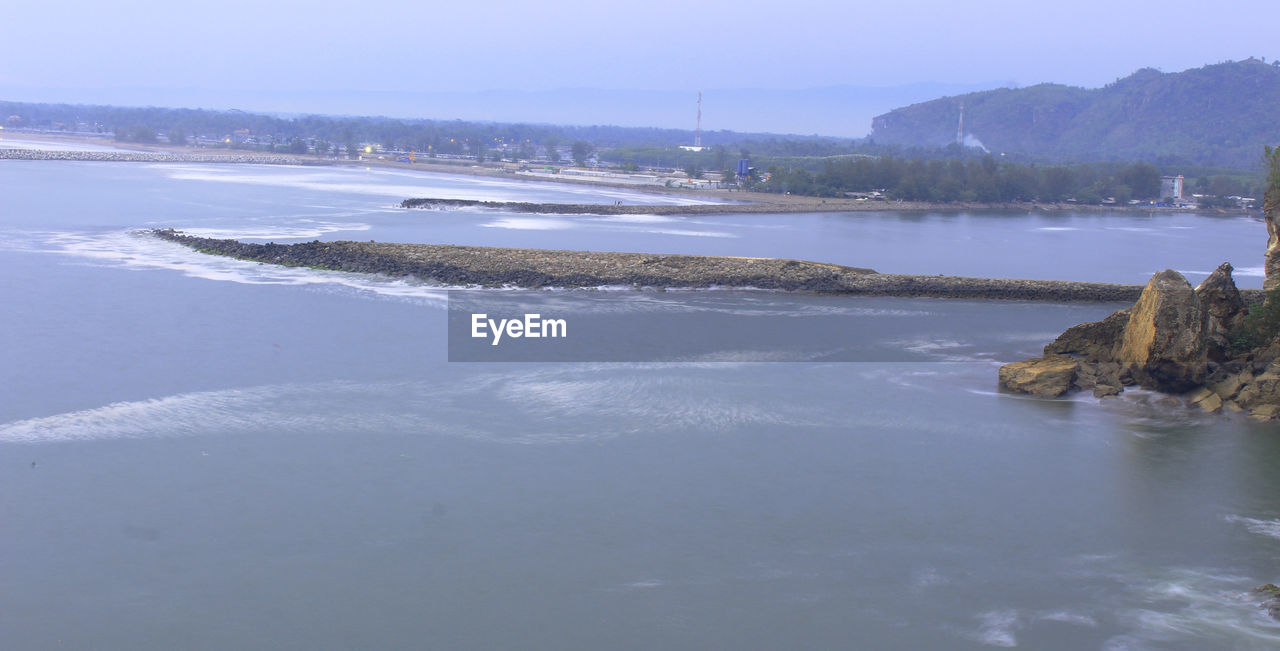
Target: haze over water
[[198, 452]]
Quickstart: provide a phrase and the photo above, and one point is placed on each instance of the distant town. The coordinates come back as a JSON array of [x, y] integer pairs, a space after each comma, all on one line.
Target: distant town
[[959, 172]]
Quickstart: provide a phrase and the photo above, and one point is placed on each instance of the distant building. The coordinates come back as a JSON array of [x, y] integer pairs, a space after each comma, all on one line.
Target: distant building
[[1171, 187]]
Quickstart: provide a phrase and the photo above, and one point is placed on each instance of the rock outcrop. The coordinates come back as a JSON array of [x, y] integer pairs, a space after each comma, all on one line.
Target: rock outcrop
[[1225, 308], [1175, 339], [1049, 376], [1164, 344], [1096, 340]]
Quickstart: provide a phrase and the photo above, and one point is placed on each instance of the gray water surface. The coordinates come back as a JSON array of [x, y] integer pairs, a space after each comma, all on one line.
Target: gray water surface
[[205, 453]]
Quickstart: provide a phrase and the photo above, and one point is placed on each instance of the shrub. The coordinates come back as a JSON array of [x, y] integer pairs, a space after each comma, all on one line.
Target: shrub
[[1260, 326]]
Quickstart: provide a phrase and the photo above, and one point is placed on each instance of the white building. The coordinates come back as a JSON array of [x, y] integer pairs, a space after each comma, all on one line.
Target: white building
[[1171, 187]]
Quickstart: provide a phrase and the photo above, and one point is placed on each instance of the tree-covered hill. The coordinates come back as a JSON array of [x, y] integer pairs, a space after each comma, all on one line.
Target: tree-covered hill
[[1220, 115]]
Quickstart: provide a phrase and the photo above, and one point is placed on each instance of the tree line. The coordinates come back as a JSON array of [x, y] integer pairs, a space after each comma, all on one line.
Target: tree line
[[989, 180]]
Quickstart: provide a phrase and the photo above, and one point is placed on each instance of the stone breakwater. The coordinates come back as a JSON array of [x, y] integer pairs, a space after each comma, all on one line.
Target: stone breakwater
[[540, 268], [759, 203], [622, 209], [150, 157]]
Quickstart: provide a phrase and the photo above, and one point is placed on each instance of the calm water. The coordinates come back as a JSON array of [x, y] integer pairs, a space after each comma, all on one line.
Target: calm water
[[205, 453]]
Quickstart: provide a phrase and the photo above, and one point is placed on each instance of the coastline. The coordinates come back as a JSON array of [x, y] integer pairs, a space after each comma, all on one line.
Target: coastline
[[152, 157], [745, 201], [542, 268]]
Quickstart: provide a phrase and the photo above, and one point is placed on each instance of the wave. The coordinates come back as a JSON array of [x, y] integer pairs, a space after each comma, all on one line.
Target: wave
[[561, 405], [531, 224], [139, 250], [382, 182], [302, 229], [631, 226], [1270, 528]]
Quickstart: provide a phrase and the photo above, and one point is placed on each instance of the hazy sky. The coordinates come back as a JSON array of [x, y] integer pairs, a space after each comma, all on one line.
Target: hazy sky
[[658, 44]]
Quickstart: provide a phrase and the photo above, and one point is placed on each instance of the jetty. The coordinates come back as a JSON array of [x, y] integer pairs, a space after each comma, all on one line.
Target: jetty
[[477, 266]]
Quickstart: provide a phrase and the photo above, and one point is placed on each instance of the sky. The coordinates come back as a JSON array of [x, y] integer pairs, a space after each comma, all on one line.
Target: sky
[[661, 45]]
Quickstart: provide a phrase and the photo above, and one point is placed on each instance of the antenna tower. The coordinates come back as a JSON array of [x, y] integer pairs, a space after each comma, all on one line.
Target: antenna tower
[[960, 127], [697, 133]]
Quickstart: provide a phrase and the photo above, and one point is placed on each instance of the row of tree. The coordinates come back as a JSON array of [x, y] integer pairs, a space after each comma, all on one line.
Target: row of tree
[[988, 180]]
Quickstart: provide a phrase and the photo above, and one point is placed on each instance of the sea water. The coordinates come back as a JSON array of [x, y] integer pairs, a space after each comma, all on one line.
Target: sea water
[[198, 452]]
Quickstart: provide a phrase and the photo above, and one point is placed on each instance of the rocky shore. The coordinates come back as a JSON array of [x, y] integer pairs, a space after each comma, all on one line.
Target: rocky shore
[[539, 268], [1205, 344], [1175, 339], [151, 157]]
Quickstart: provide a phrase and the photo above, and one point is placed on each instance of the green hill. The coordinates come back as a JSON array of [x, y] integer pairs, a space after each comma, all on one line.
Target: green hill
[[1220, 115]]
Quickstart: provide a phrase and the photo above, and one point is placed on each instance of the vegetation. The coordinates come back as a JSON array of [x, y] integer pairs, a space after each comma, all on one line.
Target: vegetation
[[985, 179], [581, 150], [810, 165], [135, 134], [1216, 115], [428, 136], [1262, 324]]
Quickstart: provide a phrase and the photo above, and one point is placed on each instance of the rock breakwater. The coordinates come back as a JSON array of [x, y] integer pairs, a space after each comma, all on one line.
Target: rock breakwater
[[624, 209], [539, 268], [151, 157]]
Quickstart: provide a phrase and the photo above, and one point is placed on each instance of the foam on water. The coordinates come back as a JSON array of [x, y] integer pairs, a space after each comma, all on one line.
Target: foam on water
[[300, 229], [384, 183], [687, 233], [140, 250], [553, 405], [1270, 528], [1197, 604], [635, 219], [561, 224], [1252, 272], [996, 628], [51, 145], [1068, 617], [531, 224]]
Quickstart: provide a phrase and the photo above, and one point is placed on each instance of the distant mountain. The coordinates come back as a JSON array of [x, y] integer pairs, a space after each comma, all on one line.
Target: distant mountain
[[841, 111], [1220, 114]]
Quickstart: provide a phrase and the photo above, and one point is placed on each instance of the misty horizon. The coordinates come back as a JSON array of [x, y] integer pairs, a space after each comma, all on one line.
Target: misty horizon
[[808, 68]]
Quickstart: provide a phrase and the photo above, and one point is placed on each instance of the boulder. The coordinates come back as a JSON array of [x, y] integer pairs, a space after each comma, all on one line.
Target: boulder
[[1271, 594], [1097, 340], [1164, 342], [1205, 399], [1048, 376], [1264, 412], [1261, 394], [1106, 390], [1230, 385], [1226, 310]]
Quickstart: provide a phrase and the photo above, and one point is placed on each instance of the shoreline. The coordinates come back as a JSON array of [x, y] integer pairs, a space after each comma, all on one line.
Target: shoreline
[[543, 268], [746, 201], [152, 157]]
